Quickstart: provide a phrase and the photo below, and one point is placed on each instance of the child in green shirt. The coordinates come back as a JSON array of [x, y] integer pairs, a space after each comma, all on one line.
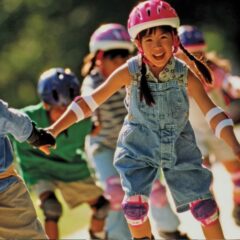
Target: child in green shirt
[[65, 168]]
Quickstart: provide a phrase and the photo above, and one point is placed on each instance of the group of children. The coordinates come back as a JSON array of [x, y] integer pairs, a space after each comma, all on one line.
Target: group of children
[[139, 116]]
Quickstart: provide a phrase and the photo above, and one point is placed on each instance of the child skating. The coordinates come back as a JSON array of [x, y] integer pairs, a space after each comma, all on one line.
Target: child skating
[[156, 131], [110, 46]]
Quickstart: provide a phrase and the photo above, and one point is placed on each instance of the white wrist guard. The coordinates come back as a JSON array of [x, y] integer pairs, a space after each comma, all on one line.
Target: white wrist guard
[[90, 102], [212, 113], [77, 110], [222, 124]]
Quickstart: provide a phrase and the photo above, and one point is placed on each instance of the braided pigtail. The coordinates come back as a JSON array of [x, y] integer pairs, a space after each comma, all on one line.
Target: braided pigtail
[[88, 64], [203, 69], [145, 91]]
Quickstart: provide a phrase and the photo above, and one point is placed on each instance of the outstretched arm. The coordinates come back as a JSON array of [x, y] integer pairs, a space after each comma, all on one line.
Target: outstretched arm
[[83, 107], [216, 117]]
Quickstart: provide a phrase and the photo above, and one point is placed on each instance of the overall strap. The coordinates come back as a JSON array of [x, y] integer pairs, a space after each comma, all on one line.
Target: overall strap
[[134, 67], [181, 70]]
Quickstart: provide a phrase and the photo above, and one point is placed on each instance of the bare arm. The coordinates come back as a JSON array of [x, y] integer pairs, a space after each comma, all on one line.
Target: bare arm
[[119, 78], [197, 91]]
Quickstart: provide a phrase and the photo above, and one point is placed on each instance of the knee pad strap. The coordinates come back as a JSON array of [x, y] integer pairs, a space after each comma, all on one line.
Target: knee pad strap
[[52, 209], [205, 211], [135, 209]]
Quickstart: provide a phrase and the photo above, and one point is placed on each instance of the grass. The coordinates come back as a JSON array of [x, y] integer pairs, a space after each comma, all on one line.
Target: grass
[[71, 221]]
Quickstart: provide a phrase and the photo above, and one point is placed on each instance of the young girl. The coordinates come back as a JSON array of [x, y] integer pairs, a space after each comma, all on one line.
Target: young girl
[[193, 40], [156, 131], [18, 217], [110, 47], [66, 167]]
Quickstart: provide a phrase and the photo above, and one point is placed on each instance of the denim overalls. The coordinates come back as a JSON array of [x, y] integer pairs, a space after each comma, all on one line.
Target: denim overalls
[[161, 136]]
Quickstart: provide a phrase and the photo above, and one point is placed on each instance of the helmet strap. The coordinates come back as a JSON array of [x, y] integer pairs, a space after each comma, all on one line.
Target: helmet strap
[[176, 42]]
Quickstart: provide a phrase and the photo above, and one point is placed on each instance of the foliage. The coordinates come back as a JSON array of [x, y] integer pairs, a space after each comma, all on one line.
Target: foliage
[[36, 35]]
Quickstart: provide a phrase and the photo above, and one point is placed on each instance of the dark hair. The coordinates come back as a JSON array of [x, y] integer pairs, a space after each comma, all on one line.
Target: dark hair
[[201, 66], [116, 53], [89, 61], [145, 91]]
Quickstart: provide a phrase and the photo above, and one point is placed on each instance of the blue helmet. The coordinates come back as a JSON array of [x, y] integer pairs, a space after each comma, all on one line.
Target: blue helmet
[[191, 38], [58, 86]]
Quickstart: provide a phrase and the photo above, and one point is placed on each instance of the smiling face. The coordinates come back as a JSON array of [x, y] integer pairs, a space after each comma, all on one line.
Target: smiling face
[[157, 45]]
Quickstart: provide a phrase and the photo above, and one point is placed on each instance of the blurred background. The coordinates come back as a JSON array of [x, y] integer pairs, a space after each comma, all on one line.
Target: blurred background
[[40, 34]]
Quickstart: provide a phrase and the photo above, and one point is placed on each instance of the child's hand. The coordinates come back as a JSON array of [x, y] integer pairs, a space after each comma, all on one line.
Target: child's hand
[[41, 139]]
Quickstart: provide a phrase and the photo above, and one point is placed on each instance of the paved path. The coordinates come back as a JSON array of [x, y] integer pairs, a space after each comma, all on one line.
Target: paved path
[[222, 188]]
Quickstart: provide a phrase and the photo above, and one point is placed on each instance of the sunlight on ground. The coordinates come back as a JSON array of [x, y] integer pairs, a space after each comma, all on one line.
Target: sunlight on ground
[[223, 192]]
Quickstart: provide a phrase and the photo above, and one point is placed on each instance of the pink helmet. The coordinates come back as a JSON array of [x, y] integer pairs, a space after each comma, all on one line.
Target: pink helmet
[[150, 14], [110, 36]]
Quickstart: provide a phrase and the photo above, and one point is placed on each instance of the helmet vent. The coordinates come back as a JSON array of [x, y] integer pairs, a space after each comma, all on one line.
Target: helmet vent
[[158, 9], [55, 95], [148, 12], [139, 14]]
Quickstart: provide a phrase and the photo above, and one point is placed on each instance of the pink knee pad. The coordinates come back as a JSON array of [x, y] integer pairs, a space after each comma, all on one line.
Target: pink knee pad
[[158, 197], [135, 209], [114, 193], [205, 211]]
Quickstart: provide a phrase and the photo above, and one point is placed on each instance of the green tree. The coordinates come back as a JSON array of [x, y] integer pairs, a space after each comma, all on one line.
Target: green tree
[[36, 35]]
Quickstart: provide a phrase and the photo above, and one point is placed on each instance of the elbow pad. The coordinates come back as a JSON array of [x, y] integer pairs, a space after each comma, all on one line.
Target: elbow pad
[[222, 124]]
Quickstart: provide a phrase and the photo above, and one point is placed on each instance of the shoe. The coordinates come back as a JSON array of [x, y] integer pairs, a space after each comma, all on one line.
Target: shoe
[[236, 214], [176, 235]]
